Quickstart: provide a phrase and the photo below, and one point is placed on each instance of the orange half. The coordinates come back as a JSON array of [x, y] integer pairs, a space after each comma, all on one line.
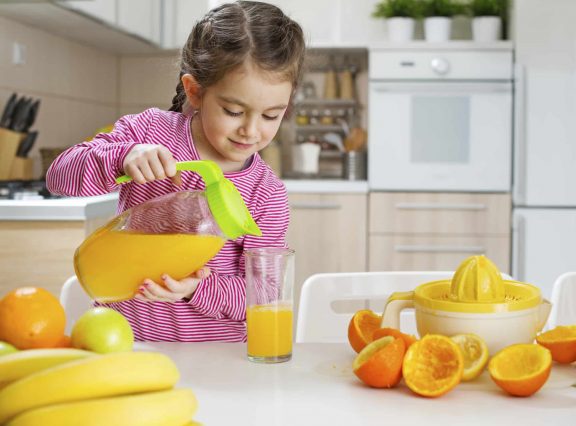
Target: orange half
[[561, 341], [397, 334], [522, 369], [379, 364], [433, 366], [361, 328]]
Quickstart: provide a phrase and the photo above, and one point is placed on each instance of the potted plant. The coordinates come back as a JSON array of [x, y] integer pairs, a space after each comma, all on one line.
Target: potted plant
[[400, 18], [438, 18], [487, 19]]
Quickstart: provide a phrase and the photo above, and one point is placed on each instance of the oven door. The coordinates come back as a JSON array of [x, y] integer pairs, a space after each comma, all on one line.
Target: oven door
[[445, 136]]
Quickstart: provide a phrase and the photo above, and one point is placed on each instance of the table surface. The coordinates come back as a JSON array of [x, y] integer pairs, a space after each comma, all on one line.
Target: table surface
[[318, 387]]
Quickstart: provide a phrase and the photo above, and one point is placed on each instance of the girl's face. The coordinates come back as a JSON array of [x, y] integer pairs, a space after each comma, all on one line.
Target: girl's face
[[239, 115]]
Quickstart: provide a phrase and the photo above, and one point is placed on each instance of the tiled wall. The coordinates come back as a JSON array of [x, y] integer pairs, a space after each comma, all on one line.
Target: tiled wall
[[78, 85], [147, 81]]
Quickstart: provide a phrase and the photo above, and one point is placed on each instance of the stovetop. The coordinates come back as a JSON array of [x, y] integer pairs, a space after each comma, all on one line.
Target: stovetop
[[25, 190]]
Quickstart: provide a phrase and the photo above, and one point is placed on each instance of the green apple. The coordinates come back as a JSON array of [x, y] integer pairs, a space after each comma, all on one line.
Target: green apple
[[6, 348], [102, 330]]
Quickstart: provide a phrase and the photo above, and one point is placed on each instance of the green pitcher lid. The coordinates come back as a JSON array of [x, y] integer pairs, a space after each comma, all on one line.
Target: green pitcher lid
[[224, 200]]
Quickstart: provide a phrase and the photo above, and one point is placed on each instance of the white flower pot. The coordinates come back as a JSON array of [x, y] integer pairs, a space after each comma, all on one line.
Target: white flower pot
[[400, 29], [437, 28], [486, 28]]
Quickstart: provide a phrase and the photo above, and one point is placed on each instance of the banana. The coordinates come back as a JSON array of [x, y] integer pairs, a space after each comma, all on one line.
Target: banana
[[93, 377], [20, 364], [173, 407]]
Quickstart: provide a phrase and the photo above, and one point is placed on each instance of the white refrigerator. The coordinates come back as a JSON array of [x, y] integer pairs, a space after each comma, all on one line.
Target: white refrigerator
[[544, 183]]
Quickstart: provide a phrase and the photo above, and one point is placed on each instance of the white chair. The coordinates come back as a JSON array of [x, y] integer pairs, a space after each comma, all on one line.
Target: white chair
[[328, 301], [563, 301], [74, 300]]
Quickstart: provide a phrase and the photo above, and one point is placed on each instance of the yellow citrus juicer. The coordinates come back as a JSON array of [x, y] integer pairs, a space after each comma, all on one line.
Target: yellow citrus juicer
[[174, 234], [476, 300]]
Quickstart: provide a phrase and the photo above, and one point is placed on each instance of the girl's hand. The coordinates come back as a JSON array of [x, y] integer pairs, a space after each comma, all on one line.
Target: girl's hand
[[172, 290], [147, 162]]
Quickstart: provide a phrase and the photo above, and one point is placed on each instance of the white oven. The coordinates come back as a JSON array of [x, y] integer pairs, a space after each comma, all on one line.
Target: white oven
[[440, 120]]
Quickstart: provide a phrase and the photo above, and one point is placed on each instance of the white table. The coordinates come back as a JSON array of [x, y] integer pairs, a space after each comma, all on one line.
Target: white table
[[317, 387]]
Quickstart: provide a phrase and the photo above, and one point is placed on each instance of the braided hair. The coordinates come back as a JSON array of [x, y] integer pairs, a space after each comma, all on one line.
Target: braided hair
[[232, 33]]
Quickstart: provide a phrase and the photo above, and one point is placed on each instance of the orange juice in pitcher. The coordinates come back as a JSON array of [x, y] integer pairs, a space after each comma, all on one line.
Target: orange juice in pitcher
[[174, 234]]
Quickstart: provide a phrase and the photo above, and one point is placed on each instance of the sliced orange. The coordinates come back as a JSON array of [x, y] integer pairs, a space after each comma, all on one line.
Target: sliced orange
[[475, 354], [379, 364], [522, 369], [361, 328], [561, 341], [397, 334], [433, 366]]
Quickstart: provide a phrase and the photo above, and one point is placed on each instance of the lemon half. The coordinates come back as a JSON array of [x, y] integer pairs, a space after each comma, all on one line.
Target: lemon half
[[475, 354]]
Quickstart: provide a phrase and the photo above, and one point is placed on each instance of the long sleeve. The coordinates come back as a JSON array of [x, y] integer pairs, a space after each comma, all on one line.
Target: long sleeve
[[90, 168], [224, 296]]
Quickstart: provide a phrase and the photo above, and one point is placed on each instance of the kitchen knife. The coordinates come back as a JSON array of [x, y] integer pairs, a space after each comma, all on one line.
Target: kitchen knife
[[20, 116], [9, 111], [26, 144], [31, 116]]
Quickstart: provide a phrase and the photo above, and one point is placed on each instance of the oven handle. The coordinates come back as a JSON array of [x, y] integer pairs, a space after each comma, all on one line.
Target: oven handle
[[443, 88]]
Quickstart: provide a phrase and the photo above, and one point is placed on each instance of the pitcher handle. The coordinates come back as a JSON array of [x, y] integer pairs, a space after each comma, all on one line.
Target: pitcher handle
[[396, 302], [544, 313]]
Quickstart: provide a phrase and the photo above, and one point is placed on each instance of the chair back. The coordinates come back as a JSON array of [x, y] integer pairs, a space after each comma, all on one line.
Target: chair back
[[563, 301], [328, 301], [74, 300]]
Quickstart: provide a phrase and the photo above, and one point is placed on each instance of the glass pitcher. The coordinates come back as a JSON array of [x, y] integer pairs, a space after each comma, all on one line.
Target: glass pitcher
[[176, 234]]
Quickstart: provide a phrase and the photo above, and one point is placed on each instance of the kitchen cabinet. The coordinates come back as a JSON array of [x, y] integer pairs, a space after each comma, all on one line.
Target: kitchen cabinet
[[118, 26], [103, 10], [436, 231], [179, 16], [328, 233], [38, 238], [142, 18]]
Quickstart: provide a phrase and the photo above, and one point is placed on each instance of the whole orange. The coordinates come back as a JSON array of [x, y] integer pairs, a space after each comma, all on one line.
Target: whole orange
[[31, 317], [379, 364], [361, 327]]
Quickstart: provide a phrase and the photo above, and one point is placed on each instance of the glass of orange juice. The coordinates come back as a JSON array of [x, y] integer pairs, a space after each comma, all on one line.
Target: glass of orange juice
[[269, 288]]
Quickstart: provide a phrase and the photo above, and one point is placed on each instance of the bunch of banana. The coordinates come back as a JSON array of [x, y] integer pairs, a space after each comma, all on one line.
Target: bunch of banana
[[125, 388]]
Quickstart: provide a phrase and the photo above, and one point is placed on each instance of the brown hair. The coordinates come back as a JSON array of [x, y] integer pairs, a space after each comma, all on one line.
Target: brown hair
[[230, 34]]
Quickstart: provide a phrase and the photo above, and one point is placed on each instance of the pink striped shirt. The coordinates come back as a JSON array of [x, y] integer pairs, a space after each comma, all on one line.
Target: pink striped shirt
[[217, 309]]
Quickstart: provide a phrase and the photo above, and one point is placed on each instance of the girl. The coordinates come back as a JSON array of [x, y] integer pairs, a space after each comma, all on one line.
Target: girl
[[239, 69]]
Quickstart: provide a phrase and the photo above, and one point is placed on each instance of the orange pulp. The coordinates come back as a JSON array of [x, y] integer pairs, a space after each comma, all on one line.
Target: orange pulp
[[111, 265], [269, 330]]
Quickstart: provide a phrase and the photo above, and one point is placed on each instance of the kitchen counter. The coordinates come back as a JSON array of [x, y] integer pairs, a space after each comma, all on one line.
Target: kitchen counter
[[59, 209], [327, 186], [318, 387]]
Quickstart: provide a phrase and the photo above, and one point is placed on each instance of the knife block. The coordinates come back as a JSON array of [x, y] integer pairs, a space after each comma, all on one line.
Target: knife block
[[9, 142], [21, 169]]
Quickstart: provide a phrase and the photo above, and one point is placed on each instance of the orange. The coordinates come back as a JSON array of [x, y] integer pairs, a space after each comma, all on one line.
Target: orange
[[65, 342], [433, 366], [31, 317], [361, 328], [522, 369], [379, 364], [397, 334], [561, 341]]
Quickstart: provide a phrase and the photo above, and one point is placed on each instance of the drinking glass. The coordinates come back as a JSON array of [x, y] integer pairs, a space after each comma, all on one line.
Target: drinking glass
[[269, 288]]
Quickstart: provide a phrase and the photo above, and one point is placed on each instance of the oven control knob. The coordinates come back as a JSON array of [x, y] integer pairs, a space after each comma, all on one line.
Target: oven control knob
[[440, 66]]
